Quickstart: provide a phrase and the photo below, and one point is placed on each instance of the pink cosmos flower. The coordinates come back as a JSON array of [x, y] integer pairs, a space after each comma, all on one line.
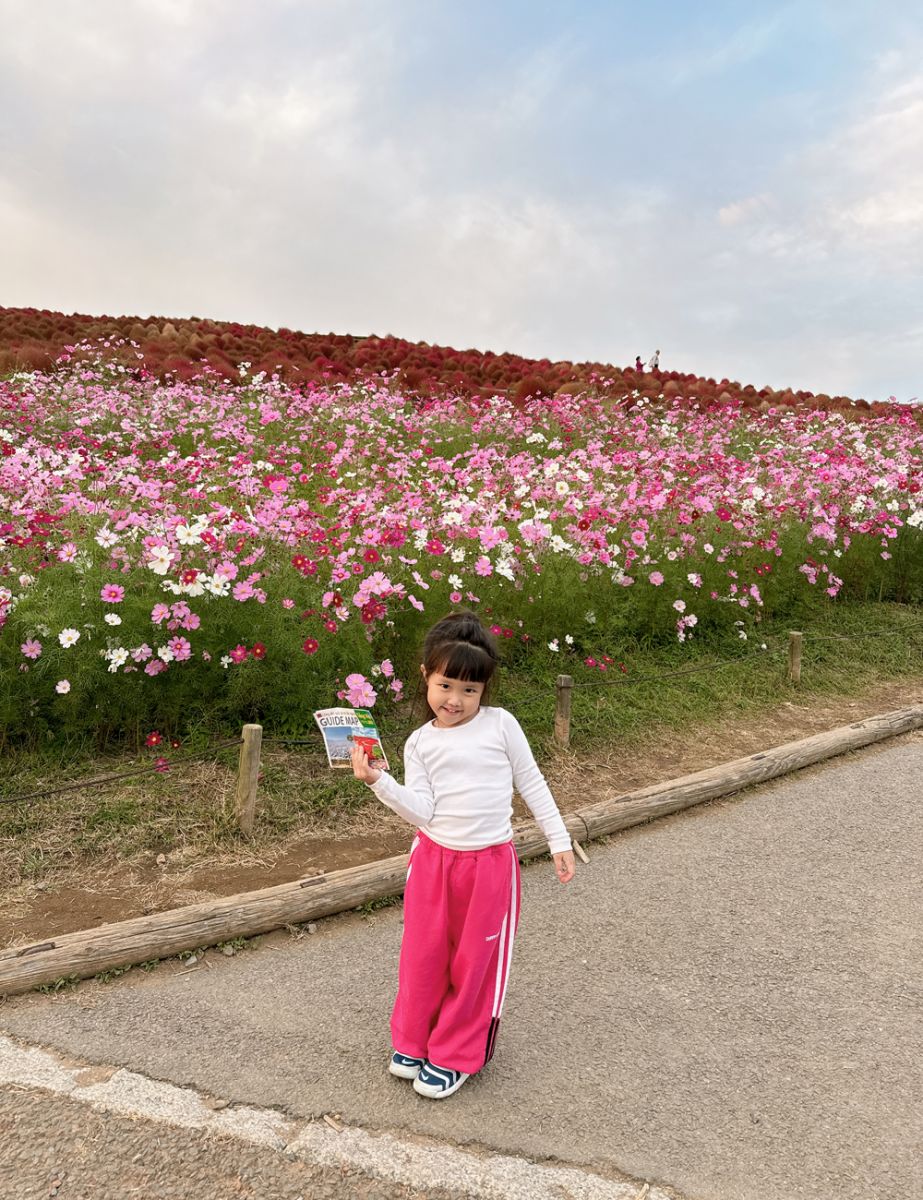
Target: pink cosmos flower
[[67, 554], [112, 593], [62, 687], [491, 536], [181, 648], [141, 653], [286, 603], [360, 692], [655, 578], [386, 667], [483, 566], [455, 597], [159, 613], [239, 653], [155, 666], [638, 537], [242, 591], [32, 648]]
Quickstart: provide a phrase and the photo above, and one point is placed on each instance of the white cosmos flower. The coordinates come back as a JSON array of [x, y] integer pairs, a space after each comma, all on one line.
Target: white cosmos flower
[[160, 558], [112, 619], [165, 654], [69, 637], [106, 538], [187, 535]]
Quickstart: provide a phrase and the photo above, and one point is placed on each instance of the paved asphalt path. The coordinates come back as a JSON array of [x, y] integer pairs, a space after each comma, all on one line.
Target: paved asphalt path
[[726, 1002]]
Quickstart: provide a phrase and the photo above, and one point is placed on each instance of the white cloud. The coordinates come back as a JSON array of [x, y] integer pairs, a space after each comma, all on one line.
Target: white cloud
[[741, 46], [743, 210], [860, 192]]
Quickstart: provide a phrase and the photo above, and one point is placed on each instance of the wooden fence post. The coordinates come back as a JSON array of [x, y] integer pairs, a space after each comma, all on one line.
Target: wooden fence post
[[794, 656], [562, 710], [247, 775]]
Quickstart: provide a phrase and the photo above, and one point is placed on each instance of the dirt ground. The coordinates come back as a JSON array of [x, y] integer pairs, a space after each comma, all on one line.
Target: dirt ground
[[87, 897]]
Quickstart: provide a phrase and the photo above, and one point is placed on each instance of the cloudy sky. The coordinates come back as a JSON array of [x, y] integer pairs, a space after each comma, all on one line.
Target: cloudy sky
[[739, 184]]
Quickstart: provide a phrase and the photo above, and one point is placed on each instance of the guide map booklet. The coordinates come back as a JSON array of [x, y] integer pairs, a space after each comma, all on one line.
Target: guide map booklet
[[345, 727]]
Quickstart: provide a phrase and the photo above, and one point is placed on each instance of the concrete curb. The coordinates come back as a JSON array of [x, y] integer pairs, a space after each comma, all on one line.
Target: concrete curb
[[418, 1164]]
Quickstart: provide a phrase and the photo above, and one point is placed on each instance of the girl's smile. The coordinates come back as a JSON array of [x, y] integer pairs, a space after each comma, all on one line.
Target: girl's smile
[[453, 701]]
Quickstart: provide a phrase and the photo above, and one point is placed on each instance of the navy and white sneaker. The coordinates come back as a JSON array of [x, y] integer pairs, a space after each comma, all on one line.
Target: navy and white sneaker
[[438, 1082], [405, 1067]]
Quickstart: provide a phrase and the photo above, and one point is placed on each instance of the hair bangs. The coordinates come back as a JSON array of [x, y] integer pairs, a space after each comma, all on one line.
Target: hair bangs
[[461, 660]]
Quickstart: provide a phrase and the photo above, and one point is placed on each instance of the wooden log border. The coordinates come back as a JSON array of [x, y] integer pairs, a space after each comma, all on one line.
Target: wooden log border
[[160, 935]]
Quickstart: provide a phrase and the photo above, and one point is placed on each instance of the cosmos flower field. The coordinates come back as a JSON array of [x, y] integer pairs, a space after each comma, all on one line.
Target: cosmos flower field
[[185, 556]]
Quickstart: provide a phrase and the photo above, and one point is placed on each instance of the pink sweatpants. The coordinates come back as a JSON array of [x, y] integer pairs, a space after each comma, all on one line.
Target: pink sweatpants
[[461, 910]]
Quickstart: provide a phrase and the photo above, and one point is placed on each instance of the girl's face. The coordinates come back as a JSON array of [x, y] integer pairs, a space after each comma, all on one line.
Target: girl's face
[[453, 701]]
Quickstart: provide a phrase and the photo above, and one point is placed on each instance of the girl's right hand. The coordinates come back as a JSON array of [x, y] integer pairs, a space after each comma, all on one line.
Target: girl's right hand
[[362, 769]]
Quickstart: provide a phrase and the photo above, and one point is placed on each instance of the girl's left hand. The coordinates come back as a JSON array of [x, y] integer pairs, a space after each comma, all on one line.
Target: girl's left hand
[[564, 866]]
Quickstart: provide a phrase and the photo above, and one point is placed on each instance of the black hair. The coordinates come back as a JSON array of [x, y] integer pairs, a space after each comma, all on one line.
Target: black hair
[[461, 647]]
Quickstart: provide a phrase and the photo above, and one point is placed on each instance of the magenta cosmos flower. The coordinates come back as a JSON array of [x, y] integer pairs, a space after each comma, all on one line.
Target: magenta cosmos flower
[[112, 593]]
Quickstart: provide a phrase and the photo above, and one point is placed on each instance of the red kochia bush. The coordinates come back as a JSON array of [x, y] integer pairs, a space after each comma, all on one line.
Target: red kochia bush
[[33, 339]]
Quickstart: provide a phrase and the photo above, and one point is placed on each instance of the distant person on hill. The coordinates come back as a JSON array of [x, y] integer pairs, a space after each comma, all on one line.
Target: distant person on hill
[[639, 365], [654, 364]]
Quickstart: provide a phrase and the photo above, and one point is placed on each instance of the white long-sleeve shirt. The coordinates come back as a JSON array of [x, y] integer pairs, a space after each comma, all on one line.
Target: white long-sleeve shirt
[[459, 783]]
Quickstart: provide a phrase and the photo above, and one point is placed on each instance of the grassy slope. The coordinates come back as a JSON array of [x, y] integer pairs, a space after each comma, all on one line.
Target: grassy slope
[[857, 647]]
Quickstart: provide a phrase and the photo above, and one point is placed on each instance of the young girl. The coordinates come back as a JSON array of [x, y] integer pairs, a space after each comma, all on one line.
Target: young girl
[[461, 903]]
